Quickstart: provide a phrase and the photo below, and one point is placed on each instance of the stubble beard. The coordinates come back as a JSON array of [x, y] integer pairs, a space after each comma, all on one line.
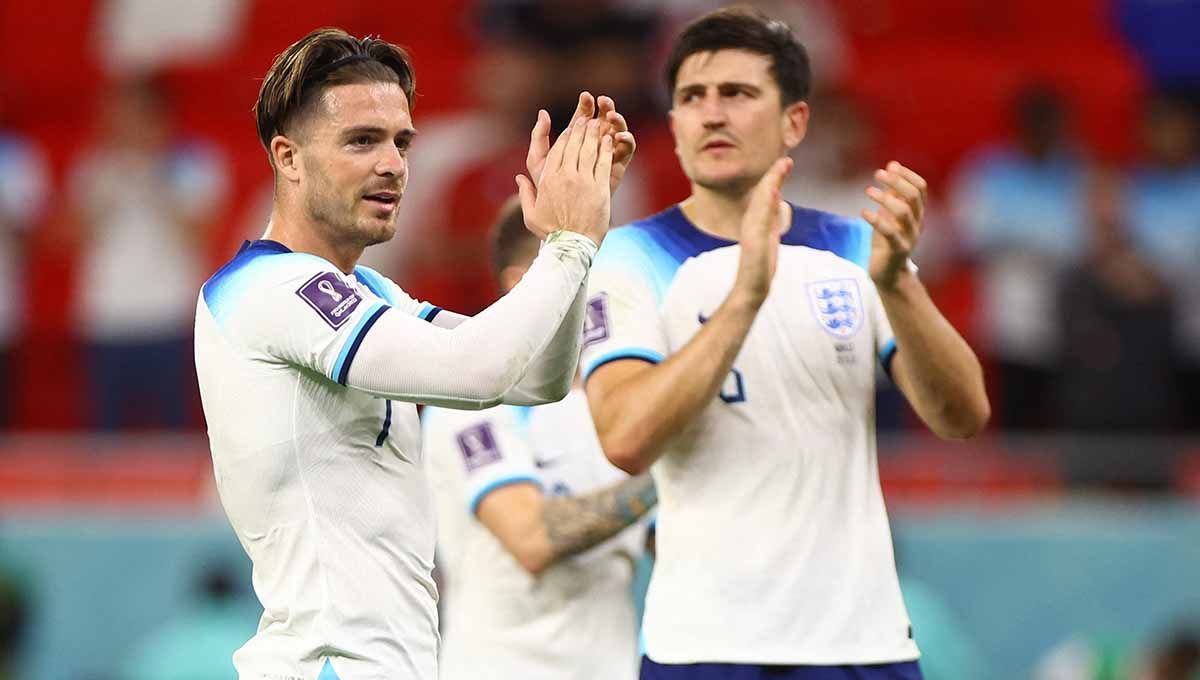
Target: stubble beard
[[734, 186], [341, 223]]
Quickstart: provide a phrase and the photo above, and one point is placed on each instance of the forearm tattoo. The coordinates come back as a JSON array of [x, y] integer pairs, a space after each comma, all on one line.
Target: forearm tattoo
[[575, 524]]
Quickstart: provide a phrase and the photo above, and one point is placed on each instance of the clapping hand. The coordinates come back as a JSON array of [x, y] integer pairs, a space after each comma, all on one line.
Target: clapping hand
[[612, 124], [898, 222]]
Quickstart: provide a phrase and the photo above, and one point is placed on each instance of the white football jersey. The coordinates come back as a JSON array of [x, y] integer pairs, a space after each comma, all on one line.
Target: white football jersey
[[322, 483], [772, 537], [576, 620]]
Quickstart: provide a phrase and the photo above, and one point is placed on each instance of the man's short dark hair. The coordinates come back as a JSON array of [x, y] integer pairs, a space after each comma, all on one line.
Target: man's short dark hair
[[510, 239], [743, 28], [322, 59]]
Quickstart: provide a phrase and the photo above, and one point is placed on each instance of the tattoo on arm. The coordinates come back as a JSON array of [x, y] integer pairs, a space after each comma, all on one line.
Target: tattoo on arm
[[575, 524]]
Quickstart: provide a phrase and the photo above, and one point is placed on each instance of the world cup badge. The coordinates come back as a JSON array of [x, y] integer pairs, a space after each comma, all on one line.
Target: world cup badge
[[478, 446], [330, 298], [595, 324]]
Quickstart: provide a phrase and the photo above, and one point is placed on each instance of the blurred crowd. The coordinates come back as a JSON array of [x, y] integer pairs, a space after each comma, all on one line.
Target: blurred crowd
[[1073, 269], [1074, 274]]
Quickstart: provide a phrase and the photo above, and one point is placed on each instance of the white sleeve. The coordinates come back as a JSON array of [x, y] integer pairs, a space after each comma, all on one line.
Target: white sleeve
[[623, 320], [550, 376], [395, 296], [310, 317], [552, 372], [489, 450], [481, 359]]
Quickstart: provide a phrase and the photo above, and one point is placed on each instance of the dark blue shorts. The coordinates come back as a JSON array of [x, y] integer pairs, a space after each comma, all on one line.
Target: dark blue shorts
[[904, 670]]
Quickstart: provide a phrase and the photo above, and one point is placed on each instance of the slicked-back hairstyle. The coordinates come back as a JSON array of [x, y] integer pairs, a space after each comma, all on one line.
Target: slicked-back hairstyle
[[509, 237], [322, 59], [745, 28]]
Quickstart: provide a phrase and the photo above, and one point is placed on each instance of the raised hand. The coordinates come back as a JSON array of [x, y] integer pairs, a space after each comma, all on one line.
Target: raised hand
[[897, 222], [624, 144], [762, 227], [573, 191], [612, 124]]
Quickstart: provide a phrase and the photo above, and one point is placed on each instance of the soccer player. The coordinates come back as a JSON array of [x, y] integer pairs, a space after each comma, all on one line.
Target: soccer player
[[527, 505], [309, 365], [731, 343]]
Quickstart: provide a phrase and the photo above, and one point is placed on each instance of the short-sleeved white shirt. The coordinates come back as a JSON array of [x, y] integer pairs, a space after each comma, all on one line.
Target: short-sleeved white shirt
[[575, 620], [323, 484], [145, 209], [773, 545]]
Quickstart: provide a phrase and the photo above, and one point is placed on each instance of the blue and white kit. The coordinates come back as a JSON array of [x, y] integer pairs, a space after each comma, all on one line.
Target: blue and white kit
[[773, 545], [308, 378], [576, 618]]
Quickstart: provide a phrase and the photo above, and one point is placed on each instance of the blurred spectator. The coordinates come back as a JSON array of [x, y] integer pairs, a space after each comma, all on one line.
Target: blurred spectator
[[600, 47], [508, 78], [835, 163], [22, 190], [1117, 321], [539, 54], [1164, 215], [447, 259], [1165, 189], [1020, 210], [199, 643], [142, 201]]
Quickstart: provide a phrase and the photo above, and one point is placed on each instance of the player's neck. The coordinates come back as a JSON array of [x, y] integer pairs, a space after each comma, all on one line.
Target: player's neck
[[302, 237], [716, 213]]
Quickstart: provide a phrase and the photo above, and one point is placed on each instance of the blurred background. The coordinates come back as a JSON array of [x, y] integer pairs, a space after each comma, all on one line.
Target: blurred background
[[1062, 144]]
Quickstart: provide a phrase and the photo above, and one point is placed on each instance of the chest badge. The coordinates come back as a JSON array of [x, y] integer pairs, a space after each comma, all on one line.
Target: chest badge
[[837, 305]]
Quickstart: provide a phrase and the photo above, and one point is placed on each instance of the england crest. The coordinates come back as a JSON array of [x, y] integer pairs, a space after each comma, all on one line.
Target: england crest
[[837, 304]]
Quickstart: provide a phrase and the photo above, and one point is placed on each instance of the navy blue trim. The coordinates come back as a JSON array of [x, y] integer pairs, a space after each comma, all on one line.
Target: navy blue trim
[[266, 245], [680, 238], [899, 670], [249, 251], [886, 355], [433, 313], [387, 424], [345, 372], [675, 233]]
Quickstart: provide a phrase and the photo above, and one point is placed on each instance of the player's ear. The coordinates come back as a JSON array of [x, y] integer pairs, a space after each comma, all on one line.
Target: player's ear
[[285, 154], [795, 124]]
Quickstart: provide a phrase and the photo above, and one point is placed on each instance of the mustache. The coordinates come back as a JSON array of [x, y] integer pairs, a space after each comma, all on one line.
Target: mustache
[[730, 139], [393, 187]]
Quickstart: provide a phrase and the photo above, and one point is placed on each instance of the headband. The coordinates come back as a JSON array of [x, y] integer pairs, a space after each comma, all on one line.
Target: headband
[[320, 73]]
